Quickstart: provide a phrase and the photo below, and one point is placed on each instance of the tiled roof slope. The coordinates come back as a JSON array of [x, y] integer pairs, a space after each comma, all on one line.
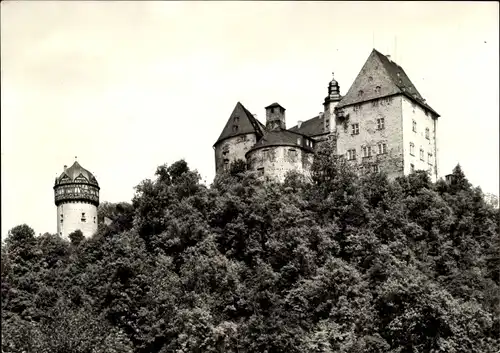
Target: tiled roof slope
[[74, 172], [246, 124], [379, 71], [280, 138], [311, 127]]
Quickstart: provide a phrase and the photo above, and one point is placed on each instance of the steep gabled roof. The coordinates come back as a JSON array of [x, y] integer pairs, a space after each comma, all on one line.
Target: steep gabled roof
[[311, 127], [381, 77], [241, 121]]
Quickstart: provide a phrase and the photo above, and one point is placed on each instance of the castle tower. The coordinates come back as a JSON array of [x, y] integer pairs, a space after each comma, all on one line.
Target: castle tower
[[76, 195], [275, 117], [241, 132], [331, 101]]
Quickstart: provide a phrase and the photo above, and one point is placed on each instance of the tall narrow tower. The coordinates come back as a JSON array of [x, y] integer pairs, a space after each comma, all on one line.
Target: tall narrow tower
[[331, 101], [76, 194]]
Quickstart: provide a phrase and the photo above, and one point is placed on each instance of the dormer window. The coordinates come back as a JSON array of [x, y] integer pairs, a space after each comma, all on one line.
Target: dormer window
[[360, 93], [236, 119], [377, 89], [235, 128]]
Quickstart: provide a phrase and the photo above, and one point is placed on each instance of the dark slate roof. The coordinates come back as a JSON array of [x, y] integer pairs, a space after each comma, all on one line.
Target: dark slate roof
[[76, 171], [393, 77], [247, 123], [406, 87], [274, 105], [311, 127], [280, 138]]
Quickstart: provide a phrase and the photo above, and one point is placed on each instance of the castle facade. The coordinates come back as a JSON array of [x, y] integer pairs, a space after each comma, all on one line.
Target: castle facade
[[381, 124]]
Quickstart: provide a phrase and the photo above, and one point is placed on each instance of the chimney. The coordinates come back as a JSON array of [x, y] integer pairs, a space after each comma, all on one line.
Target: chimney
[[65, 167], [275, 117], [299, 123], [389, 57], [320, 114]]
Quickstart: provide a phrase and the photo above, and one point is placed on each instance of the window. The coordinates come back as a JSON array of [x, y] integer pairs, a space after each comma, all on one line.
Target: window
[[412, 168], [351, 154], [421, 154], [355, 129], [236, 119], [94, 219], [83, 217], [380, 123], [375, 103], [427, 133], [226, 161], [412, 149], [414, 126], [235, 128], [382, 148], [356, 107], [293, 152], [370, 79], [429, 158], [360, 92], [375, 168], [367, 151], [377, 89], [260, 171]]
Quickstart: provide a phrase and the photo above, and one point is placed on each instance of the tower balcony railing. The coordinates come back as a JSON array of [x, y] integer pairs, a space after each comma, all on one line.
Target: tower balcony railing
[[77, 197]]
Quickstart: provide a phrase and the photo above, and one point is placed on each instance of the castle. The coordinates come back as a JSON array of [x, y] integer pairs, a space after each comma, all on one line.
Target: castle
[[381, 124], [76, 195]]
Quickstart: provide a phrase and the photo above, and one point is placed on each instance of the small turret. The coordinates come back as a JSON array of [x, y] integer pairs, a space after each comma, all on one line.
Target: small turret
[[333, 91], [275, 117]]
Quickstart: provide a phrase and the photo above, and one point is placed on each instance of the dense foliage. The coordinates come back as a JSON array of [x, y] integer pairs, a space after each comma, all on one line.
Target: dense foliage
[[337, 264]]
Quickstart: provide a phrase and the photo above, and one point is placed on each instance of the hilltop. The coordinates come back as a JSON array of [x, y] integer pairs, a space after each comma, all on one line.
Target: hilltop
[[339, 263]]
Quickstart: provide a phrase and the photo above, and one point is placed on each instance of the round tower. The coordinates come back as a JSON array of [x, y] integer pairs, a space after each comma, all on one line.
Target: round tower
[[76, 195]]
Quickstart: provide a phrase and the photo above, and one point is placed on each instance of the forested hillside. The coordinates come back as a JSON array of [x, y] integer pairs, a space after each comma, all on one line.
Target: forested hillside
[[342, 264]]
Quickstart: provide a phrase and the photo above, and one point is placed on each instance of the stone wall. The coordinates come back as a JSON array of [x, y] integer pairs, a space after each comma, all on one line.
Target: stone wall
[[69, 218], [232, 149], [414, 112], [366, 114], [277, 161]]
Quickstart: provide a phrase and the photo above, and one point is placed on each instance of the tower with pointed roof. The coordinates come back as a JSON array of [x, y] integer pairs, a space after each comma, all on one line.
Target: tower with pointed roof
[[76, 195], [241, 132], [383, 122], [330, 103]]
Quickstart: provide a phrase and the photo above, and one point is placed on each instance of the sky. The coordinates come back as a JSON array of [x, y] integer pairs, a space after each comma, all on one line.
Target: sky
[[128, 86]]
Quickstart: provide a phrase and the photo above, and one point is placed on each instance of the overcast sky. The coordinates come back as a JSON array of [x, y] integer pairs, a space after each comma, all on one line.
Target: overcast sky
[[127, 86]]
